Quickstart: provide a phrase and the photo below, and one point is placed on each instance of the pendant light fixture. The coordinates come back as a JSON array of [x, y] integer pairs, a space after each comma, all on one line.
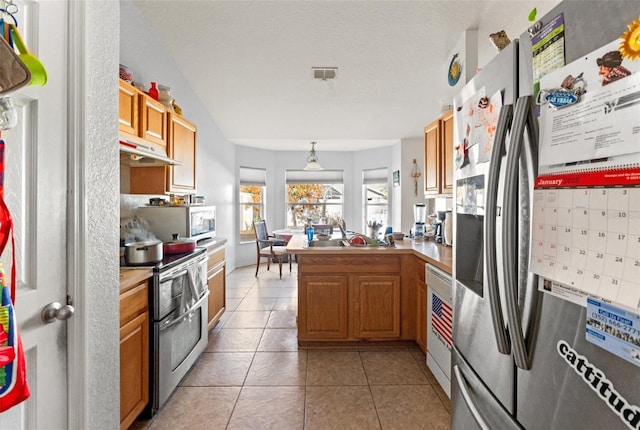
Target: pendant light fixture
[[312, 159]]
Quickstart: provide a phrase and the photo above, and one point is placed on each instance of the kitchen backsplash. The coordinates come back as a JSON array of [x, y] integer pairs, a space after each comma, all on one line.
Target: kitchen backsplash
[[129, 203]]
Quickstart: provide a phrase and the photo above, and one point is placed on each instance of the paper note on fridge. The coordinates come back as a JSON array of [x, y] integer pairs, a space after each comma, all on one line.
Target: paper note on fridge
[[590, 109], [615, 329]]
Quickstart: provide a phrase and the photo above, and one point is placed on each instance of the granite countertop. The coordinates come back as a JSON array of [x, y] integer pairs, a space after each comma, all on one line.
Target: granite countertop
[[437, 254]]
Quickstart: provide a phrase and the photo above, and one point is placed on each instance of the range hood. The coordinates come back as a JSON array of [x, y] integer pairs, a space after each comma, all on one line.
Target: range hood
[[143, 154]]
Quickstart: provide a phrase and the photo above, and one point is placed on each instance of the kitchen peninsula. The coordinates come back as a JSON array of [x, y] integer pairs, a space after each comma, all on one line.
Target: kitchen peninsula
[[350, 295]]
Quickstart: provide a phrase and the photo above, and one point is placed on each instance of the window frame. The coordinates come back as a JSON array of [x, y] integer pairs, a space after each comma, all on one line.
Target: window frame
[[378, 176], [325, 179], [251, 177]]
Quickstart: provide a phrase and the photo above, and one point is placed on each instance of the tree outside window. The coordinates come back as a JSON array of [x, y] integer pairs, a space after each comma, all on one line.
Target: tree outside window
[[316, 203]]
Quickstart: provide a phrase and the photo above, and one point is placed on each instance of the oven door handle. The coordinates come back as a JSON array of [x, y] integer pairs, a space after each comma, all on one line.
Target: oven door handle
[[171, 276], [171, 322]]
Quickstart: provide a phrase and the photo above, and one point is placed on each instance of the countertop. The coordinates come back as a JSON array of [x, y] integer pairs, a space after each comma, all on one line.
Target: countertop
[[130, 277], [437, 254], [212, 243]]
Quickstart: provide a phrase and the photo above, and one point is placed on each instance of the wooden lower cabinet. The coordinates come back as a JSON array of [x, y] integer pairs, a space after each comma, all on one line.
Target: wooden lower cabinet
[[216, 280], [421, 315], [134, 353], [361, 303], [376, 306], [323, 300]]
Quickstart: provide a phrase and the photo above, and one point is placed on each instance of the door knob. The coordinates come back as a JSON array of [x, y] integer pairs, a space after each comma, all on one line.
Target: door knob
[[55, 310]]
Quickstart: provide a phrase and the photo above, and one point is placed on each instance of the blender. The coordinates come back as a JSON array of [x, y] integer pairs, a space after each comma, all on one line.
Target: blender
[[420, 216]]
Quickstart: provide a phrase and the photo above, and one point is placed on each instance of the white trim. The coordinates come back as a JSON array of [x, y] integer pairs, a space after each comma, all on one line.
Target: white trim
[[78, 379], [314, 176]]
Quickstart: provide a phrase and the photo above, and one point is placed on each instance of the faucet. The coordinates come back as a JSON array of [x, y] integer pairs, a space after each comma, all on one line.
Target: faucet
[[344, 233]]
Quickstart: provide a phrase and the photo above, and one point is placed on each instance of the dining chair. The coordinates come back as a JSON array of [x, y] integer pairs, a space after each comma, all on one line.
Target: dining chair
[[266, 247]]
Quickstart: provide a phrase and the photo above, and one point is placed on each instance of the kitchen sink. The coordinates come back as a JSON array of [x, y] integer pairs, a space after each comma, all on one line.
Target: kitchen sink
[[330, 242]]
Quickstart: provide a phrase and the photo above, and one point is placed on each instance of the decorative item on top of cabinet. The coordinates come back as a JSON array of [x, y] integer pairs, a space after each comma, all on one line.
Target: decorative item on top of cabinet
[[134, 353], [438, 156]]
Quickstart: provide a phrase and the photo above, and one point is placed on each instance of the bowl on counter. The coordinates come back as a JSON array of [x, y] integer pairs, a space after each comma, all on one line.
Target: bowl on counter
[[323, 236], [398, 235]]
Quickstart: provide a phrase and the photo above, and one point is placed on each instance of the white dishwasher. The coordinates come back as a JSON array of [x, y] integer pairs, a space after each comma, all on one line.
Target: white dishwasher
[[439, 325]]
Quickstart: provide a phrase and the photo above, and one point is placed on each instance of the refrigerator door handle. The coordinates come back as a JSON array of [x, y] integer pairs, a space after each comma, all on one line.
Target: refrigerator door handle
[[491, 212], [462, 386], [510, 232]]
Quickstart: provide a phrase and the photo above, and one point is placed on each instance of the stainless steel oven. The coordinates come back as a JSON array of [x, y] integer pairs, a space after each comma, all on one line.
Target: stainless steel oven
[[179, 299]]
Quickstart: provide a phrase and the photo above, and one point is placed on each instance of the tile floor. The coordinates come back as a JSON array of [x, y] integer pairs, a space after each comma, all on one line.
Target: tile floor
[[253, 375]]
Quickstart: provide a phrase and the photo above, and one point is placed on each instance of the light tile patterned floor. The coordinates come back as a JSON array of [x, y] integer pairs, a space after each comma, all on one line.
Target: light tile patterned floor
[[253, 375]]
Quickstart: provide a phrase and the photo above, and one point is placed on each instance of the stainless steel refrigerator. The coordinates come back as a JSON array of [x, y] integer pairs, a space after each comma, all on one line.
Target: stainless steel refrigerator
[[506, 370]]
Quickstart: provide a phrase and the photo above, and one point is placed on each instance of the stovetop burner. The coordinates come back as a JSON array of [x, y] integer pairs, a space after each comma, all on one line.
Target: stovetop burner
[[169, 261]]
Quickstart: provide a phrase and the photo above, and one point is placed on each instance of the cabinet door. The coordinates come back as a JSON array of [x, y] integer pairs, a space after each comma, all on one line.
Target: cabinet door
[[128, 109], [421, 312], [148, 180], [182, 147], [447, 153], [326, 319], [216, 283], [432, 163], [153, 120], [134, 369], [376, 302]]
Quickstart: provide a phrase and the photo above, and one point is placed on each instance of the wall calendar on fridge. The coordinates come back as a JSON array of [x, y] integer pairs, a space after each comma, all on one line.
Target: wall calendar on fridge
[[586, 211]]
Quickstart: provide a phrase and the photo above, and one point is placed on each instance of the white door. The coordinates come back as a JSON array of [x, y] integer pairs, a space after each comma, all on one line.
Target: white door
[[36, 194]]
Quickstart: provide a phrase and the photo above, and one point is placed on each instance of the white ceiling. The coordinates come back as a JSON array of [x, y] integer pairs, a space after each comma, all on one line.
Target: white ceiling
[[250, 62]]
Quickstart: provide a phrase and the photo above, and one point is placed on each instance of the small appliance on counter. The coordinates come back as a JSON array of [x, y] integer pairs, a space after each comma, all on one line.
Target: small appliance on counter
[[420, 216], [439, 227], [193, 222]]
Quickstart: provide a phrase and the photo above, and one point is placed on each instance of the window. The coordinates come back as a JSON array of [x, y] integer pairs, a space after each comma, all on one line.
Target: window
[[252, 194], [314, 195], [375, 189]]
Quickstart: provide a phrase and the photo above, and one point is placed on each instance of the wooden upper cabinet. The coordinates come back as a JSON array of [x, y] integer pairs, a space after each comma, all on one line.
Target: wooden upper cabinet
[[432, 158], [140, 116], [182, 148], [153, 120], [447, 153], [128, 109], [438, 156]]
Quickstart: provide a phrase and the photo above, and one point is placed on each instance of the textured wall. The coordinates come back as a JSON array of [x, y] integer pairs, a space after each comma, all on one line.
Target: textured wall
[[101, 200]]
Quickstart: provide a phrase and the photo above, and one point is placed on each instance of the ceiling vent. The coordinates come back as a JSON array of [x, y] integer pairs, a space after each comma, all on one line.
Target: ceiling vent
[[324, 73]]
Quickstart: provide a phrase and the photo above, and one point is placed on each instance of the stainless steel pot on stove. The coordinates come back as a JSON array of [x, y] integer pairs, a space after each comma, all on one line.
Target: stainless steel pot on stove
[[139, 253]]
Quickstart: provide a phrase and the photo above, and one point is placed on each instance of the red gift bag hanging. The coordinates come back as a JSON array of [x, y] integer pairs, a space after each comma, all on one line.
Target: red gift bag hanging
[[13, 372]]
